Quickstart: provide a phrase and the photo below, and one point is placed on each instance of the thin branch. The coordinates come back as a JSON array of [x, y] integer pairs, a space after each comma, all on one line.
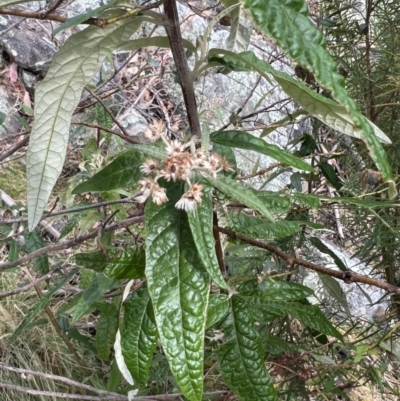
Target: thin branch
[[348, 277], [75, 210], [126, 137], [185, 77], [52, 8], [14, 148], [108, 111], [57, 378], [28, 286], [68, 244], [110, 397]]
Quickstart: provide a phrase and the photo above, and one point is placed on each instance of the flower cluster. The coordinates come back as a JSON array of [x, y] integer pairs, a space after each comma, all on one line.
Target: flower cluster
[[179, 164]]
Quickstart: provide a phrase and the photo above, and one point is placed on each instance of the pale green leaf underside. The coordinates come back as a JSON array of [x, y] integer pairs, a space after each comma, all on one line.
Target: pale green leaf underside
[[56, 99], [241, 29], [179, 287], [288, 23], [329, 112]]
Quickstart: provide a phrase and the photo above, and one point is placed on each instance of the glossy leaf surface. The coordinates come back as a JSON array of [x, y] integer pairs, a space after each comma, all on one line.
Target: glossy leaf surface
[[201, 226], [241, 357], [244, 140], [139, 334], [178, 286]]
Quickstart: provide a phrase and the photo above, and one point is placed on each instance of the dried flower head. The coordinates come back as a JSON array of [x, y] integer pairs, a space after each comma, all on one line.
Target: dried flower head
[[191, 198], [177, 167], [147, 187], [175, 148], [150, 166], [160, 196], [155, 131]]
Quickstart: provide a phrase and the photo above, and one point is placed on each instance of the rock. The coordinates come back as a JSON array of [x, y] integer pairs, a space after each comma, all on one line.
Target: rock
[[10, 124], [31, 50]]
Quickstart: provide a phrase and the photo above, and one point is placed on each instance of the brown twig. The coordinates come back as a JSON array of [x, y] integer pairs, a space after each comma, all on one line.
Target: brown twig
[[28, 286], [68, 244], [100, 127], [51, 9], [14, 148], [109, 397], [185, 77], [57, 378], [348, 277]]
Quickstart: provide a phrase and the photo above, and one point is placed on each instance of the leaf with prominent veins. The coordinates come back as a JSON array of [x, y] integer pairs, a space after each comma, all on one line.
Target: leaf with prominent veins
[[56, 98]]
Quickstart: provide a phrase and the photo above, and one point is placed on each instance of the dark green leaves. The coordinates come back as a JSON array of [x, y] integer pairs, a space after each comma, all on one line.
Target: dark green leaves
[[241, 358], [244, 140], [122, 172], [106, 329], [33, 242], [201, 225], [178, 286], [139, 334], [120, 263], [239, 192]]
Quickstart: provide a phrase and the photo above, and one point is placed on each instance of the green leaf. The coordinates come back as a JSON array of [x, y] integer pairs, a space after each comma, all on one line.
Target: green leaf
[[324, 249], [122, 263], [276, 346], [157, 41], [93, 293], [70, 225], [335, 291], [260, 228], [178, 286], [123, 172], [329, 173], [239, 192], [244, 140], [139, 334], [309, 315], [283, 291], [33, 242], [81, 18], [218, 305], [201, 225], [240, 31], [42, 302], [56, 98], [14, 251], [288, 23], [106, 330], [241, 358], [326, 110]]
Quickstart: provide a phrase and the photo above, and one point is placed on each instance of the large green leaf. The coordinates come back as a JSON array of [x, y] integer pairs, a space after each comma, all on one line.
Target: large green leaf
[[260, 228], [106, 330], [335, 291], [325, 249], [56, 98], [332, 114], [278, 290], [157, 41], [121, 263], [237, 191], [289, 24], [244, 140], [178, 286], [93, 293], [241, 28], [201, 225], [33, 242], [139, 334], [40, 305], [217, 307], [241, 357], [309, 315]]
